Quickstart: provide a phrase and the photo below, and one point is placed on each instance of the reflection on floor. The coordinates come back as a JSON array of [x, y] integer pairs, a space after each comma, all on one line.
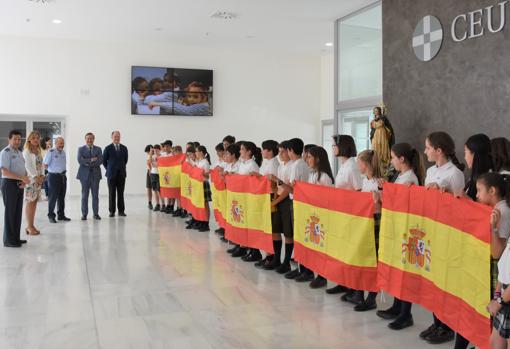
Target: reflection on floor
[[144, 281]]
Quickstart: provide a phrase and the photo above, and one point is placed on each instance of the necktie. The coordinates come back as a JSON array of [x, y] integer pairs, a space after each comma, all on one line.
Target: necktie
[[116, 147], [90, 151]]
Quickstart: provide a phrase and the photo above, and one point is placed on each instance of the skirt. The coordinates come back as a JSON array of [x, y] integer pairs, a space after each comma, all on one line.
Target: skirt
[[207, 191], [501, 321]]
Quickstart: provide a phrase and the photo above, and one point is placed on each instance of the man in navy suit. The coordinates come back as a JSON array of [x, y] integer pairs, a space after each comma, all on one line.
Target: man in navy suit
[[115, 158], [90, 159]]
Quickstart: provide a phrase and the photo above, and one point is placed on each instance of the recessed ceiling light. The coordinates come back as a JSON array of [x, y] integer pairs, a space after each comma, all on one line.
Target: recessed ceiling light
[[158, 29], [329, 44], [57, 21]]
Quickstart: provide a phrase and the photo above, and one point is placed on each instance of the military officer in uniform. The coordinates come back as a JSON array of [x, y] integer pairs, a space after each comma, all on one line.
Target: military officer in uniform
[[55, 161], [14, 179]]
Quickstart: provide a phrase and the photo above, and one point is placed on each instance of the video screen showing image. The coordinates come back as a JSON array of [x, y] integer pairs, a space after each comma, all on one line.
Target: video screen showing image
[[171, 91]]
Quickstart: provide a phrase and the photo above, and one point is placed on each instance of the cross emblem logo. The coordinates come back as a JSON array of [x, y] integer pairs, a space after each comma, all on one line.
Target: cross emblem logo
[[427, 38]]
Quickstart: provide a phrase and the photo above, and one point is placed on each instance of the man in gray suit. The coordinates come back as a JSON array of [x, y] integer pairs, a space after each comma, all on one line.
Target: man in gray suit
[[90, 158]]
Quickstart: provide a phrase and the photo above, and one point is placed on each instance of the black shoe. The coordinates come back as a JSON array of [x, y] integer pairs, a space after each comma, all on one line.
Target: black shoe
[[440, 336], [112, 215], [192, 225], [22, 241], [169, 210], [52, 220], [8, 244], [365, 306], [222, 239], [284, 268], [233, 249], [204, 228], [177, 213], [97, 217], [243, 258], [260, 263], [305, 277], [292, 274], [253, 257], [269, 263], [163, 208], [83, 218], [318, 282], [122, 214], [184, 214], [150, 206], [388, 314], [400, 324], [424, 334], [64, 219], [157, 208], [217, 231], [353, 297], [337, 289], [239, 253]]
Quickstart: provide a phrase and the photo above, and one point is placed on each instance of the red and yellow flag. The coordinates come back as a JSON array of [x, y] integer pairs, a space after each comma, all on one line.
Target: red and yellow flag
[[219, 197], [169, 168], [435, 251], [334, 234], [249, 212], [192, 191]]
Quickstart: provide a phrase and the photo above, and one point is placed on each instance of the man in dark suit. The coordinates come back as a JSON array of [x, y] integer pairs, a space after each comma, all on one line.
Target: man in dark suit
[[115, 158], [90, 159]]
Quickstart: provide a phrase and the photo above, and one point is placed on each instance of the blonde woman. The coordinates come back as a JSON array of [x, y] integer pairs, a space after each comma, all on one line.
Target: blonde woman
[[34, 165]]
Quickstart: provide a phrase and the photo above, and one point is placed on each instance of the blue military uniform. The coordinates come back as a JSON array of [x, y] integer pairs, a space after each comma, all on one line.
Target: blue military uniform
[[12, 160], [57, 183]]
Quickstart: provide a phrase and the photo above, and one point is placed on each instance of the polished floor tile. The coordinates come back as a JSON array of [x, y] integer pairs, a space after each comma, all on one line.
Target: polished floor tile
[[144, 281]]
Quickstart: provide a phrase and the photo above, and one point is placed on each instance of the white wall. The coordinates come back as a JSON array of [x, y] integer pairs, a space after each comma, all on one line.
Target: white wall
[[257, 95], [327, 86]]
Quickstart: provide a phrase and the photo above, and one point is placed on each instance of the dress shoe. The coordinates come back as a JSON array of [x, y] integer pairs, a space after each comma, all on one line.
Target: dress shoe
[[150, 206], [440, 336], [217, 231], [97, 217], [354, 297], [428, 331], [318, 282], [204, 228], [388, 314], [21, 241], [52, 220], [292, 274], [365, 306], [284, 268], [112, 215], [177, 213], [400, 324], [157, 208], [169, 210], [337, 289], [239, 253], [233, 249], [8, 244], [184, 214], [222, 239], [122, 214], [305, 277], [64, 219], [83, 218], [253, 257]]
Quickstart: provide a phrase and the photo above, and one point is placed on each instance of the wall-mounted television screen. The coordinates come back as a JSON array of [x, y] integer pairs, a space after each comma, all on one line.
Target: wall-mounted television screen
[[171, 91]]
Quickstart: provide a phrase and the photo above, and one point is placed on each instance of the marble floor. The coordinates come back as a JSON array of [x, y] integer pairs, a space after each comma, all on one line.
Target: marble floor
[[143, 281]]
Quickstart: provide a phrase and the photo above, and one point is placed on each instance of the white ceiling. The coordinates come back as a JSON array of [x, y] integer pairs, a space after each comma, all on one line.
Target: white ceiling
[[297, 25]]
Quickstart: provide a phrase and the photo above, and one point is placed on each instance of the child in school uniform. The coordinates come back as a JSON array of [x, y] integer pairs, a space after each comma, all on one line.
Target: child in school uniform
[[408, 163], [347, 178], [370, 166], [320, 174], [446, 175], [493, 189], [269, 169], [299, 171], [152, 164], [190, 159], [148, 184], [250, 161], [282, 217], [220, 164], [203, 162], [178, 212], [232, 154]]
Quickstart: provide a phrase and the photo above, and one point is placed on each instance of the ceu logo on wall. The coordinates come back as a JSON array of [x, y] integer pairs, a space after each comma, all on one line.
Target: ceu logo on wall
[[427, 38]]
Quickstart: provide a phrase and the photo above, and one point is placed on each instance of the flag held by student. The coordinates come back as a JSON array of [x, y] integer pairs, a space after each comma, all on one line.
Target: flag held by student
[[249, 212], [192, 191], [435, 251], [169, 168], [219, 197], [334, 234]]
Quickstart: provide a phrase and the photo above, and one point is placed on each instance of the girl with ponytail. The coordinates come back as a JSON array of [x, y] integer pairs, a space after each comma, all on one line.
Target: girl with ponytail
[[478, 157], [408, 163]]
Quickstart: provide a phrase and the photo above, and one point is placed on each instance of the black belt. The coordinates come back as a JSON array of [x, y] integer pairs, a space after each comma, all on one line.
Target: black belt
[[61, 173]]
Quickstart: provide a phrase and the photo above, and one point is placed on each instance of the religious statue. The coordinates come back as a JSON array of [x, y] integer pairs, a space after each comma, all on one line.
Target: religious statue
[[382, 137]]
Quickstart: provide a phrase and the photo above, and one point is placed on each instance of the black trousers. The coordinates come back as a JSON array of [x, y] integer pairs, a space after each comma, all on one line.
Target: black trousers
[[116, 187], [57, 187], [12, 196]]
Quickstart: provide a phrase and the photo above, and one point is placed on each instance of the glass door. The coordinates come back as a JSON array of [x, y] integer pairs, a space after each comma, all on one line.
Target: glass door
[[51, 129]]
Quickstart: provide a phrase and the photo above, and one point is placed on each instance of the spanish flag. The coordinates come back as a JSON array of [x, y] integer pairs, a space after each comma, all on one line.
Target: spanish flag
[[219, 197], [249, 212], [169, 168], [435, 251], [334, 234], [192, 191]]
